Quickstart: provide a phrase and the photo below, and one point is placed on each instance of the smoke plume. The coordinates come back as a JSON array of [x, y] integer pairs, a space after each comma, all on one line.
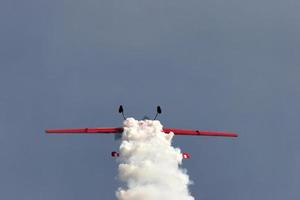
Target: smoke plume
[[149, 165]]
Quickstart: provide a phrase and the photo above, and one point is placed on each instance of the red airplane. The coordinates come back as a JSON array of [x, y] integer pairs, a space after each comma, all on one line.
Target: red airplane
[[119, 130]]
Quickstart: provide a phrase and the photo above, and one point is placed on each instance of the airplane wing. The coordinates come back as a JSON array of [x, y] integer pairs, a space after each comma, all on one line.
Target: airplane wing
[[116, 130], [86, 130], [177, 131]]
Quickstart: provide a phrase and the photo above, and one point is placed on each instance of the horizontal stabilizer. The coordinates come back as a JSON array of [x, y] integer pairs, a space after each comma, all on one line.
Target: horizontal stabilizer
[[185, 155]]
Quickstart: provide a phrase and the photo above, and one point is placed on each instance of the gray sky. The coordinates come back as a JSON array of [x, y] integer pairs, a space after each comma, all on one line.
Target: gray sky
[[217, 65]]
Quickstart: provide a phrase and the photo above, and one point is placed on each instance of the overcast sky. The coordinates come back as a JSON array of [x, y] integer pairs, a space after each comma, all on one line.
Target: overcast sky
[[211, 64]]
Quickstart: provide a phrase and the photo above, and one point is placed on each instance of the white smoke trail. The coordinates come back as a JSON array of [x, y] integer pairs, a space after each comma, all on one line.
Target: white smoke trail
[[149, 165]]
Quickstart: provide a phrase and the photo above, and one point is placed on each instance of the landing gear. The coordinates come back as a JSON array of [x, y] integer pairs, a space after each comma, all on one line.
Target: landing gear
[[121, 110], [158, 111]]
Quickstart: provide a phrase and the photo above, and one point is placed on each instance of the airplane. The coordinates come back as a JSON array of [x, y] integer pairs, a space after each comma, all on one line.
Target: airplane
[[118, 131]]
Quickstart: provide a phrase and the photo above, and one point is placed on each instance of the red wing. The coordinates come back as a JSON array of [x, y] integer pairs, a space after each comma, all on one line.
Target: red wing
[[120, 130], [177, 131], [85, 130]]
